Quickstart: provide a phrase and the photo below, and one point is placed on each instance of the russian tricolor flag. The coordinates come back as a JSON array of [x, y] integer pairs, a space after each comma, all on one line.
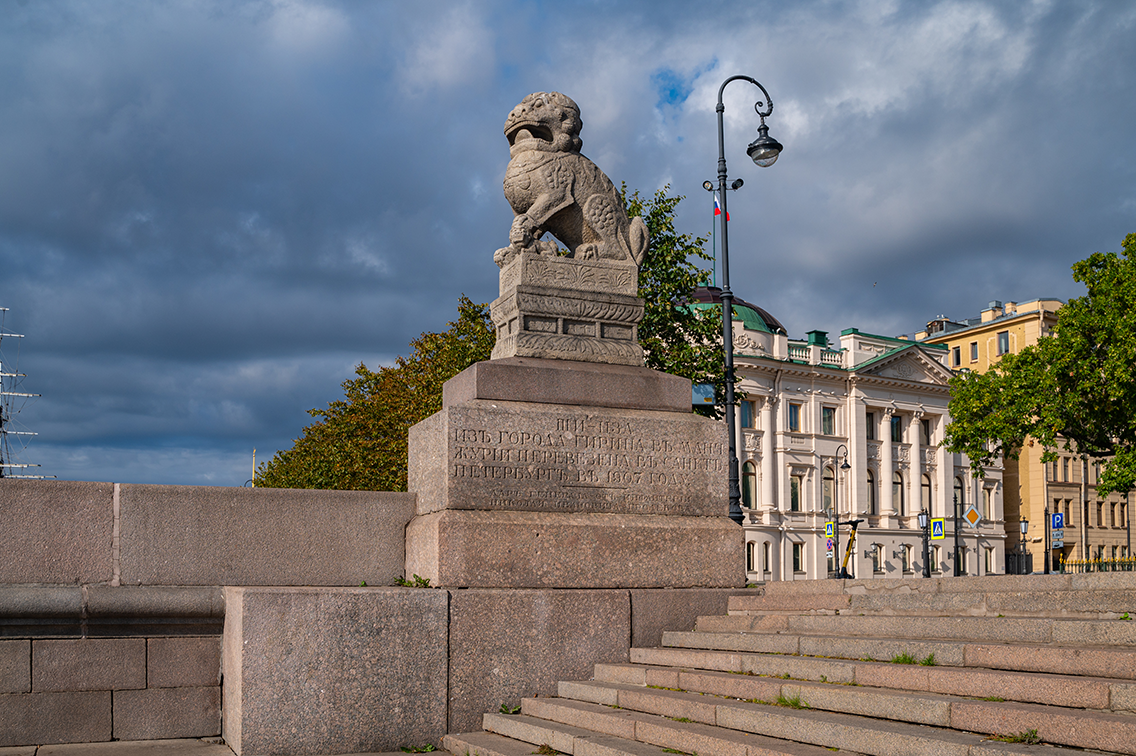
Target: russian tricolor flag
[[718, 207]]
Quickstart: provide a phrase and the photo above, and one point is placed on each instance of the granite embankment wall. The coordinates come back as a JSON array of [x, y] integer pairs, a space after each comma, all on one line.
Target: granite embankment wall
[[114, 598], [111, 605]]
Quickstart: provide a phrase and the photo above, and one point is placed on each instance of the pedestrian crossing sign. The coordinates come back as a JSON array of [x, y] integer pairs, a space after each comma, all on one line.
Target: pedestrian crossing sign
[[829, 527], [937, 531]]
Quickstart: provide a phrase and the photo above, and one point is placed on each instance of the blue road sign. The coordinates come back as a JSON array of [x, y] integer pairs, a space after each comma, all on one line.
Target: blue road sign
[[828, 529], [1058, 521], [938, 532]]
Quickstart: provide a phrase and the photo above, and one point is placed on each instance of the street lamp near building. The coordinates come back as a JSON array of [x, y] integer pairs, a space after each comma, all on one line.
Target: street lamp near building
[[925, 525], [763, 151]]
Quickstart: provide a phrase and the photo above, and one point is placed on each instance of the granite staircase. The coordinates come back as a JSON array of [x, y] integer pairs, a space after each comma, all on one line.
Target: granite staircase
[[963, 666]]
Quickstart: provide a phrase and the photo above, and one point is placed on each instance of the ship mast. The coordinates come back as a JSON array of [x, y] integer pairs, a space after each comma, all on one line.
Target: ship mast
[[8, 382]]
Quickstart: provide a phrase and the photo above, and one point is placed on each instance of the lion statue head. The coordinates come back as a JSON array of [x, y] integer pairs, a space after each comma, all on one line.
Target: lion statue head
[[544, 121]]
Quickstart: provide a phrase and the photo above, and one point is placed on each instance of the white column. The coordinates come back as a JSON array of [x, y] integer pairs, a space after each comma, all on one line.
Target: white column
[[945, 463], [914, 430], [887, 506], [768, 485], [857, 452]]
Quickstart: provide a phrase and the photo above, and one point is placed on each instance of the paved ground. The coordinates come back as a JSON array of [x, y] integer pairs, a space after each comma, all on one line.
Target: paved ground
[[204, 747]]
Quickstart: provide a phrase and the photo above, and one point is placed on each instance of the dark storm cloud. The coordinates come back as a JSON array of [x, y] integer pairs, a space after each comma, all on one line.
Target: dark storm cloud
[[209, 212]]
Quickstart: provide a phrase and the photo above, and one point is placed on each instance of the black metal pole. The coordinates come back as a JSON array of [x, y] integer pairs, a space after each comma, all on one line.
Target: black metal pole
[[958, 551], [727, 298], [927, 547]]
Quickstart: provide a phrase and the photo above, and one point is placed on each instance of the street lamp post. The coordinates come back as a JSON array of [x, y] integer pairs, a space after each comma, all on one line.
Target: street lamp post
[[1023, 526], [925, 524], [763, 151], [844, 466]]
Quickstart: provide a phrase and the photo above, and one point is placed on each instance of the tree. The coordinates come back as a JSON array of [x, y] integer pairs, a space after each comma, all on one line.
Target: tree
[[1075, 389], [676, 338], [360, 441]]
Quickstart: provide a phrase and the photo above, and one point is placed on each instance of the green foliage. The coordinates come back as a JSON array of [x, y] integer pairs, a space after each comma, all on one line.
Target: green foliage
[[1073, 389], [359, 442], [428, 748], [675, 338], [793, 702], [929, 661], [417, 582], [904, 658], [513, 710]]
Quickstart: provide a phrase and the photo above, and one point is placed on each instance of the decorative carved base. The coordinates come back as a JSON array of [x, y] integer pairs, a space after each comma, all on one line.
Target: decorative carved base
[[564, 309]]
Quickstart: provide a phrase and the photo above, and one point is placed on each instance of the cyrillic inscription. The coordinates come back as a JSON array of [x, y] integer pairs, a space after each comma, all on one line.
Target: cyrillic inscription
[[583, 463]]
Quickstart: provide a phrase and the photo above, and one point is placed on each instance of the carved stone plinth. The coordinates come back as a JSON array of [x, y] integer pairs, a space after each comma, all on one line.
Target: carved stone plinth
[[566, 309]]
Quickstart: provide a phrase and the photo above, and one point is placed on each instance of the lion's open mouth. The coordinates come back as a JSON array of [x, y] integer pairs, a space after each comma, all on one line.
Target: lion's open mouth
[[528, 130]]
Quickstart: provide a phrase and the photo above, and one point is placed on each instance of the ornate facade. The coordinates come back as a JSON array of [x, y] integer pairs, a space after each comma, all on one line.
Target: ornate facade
[[854, 428]]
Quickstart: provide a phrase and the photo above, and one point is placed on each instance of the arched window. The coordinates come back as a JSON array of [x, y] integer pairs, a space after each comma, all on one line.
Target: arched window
[[873, 505], [925, 493], [829, 488], [960, 495], [750, 553], [749, 485], [766, 564], [897, 493]]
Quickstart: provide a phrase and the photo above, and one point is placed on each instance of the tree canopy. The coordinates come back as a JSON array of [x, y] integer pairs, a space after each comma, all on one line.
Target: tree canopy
[[1074, 390], [676, 339], [360, 441]]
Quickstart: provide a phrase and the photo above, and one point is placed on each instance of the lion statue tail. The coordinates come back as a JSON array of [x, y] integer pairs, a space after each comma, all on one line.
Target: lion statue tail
[[638, 239]]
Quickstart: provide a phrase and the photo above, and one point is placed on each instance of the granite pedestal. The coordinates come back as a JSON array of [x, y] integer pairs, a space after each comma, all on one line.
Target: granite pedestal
[[554, 474]]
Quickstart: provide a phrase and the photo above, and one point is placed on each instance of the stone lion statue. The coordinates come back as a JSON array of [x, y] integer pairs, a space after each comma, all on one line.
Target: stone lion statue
[[555, 189]]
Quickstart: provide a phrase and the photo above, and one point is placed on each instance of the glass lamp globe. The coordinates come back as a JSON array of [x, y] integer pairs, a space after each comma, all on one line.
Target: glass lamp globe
[[764, 150]]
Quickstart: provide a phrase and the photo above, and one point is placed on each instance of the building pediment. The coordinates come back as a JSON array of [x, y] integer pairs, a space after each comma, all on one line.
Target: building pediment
[[907, 364]]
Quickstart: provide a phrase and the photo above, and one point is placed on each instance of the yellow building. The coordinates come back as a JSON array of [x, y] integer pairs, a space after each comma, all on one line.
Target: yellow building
[[1093, 529]]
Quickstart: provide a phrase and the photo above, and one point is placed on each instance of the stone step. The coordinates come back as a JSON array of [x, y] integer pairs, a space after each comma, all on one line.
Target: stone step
[[1030, 584], [1067, 632], [1066, 726], [1053, 690], [820, 729], [684, 649], [646, 736], [1053, 604], [582, 743]]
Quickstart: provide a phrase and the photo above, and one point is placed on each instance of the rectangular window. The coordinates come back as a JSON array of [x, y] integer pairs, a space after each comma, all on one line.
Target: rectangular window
[[1112, 515], [988, 567], [961, 557], [750, 547], [1003, 342], [828, 421], [1065, 469], [986, 510], [896, 429], [798, 557], [935, 559], [748, 413], [925, 427], [1100, 514], [877, 558], [794, 417], [907, 552], [870, 426], [795, 493], [1123, 515], [765, 563], [974, 351], [956, 356]]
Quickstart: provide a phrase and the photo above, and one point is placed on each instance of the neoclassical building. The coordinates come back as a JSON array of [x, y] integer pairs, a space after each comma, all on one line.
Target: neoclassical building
[[856, 428]]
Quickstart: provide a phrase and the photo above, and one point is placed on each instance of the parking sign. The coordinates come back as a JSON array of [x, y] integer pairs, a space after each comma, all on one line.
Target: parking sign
[[1058, 521]]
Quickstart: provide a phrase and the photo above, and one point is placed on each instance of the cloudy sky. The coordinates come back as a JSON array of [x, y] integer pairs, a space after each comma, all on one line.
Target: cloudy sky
[[211, 211]]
